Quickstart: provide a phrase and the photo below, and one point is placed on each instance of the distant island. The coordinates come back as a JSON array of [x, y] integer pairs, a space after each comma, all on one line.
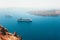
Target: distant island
[[45, 12]]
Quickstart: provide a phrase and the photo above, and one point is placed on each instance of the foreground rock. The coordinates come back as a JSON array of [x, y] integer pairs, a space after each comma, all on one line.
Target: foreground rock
[[5, 35]]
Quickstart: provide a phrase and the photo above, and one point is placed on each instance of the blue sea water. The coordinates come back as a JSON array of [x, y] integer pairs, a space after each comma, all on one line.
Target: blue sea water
[[41, 28]]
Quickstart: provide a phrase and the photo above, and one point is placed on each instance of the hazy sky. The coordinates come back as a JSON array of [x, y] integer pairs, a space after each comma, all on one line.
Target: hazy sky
[[30, 3]]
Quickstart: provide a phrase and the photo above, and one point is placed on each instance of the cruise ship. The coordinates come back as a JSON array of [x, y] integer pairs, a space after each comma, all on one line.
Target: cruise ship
[[24, 20]]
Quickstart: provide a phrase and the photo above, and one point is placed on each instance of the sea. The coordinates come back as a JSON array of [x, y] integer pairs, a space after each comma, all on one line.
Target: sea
[[41, 27]]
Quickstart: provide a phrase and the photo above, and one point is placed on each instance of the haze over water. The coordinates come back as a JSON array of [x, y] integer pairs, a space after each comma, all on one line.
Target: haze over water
[[41, 28]]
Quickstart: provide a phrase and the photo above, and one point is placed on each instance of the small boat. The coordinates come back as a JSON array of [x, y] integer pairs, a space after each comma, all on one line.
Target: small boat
[[24, 20]]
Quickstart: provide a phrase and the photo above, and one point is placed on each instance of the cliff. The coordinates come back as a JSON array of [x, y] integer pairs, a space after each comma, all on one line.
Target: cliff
[[6, 35]]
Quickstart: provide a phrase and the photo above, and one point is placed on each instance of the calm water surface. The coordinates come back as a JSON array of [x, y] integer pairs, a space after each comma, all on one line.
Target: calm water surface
[[41, 28]]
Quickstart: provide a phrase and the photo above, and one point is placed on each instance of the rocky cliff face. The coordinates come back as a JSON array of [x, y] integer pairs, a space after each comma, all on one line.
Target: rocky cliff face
[[6, 35]]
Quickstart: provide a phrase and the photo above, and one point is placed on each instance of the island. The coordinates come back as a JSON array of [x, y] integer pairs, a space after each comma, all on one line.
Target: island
[[6, 35], [8, 16], [45, 12]]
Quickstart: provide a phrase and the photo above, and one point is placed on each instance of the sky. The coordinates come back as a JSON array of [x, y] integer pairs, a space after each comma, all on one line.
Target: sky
[[30, 3]]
